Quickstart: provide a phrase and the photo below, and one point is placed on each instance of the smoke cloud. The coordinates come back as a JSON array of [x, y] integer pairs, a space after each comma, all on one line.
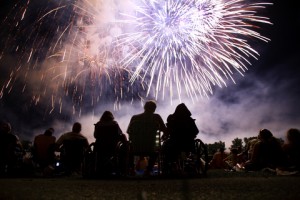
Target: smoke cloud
[[267, 96]]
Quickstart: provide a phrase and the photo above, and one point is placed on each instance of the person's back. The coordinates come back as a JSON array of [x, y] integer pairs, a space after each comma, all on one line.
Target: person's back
[[267, 152], [72, 146], [108, 134], [44, 147], [73, 152], [250, 147], [217, 161], [182, 129], [110, 146], [142, 131], [233, 159], [144, 127], [291, 148]]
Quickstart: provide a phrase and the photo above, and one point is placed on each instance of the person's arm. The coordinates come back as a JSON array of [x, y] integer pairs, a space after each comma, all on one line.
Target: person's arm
[[193, 127], [18, 142], [96, 130], [120, 132], [255, 154], [86, 143], [227, 158], [59, 142], [129, 126], [162, 126], [165, 130], [122, 136]]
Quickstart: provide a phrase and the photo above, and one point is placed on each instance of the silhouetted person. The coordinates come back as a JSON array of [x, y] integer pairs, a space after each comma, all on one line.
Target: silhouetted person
[[233, 159], [110, 143], [72, 146], [44, 148], [182, 131], [217, 161], [267, 153], [10, 145], [291, 148], [247, 153], [142, 130]]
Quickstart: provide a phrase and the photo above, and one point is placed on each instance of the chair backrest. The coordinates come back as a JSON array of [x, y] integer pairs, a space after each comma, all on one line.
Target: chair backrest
[[107, 138], [74, 149], [143, 135]]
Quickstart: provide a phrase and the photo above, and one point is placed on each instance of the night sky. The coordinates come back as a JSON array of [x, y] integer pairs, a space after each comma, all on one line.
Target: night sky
[[267, 96]]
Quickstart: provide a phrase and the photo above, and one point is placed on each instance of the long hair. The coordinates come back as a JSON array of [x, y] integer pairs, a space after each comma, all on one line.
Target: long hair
[[182, 111], [107, 116]]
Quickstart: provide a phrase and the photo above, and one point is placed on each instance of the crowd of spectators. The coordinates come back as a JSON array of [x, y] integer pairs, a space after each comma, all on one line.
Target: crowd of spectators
[[113, 152]]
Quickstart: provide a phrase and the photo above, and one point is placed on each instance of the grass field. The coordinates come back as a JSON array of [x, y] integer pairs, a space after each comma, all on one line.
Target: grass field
[[217, 185]]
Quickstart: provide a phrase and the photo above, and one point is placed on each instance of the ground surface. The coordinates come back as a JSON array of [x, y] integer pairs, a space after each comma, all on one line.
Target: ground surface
[[217, 185]]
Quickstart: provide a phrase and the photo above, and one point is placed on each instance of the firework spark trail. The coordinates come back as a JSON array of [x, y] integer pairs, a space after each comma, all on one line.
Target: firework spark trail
[[196, 44], [88, 50], [69, 46]]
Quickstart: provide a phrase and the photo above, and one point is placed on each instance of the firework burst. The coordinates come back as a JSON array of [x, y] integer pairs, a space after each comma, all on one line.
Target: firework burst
[[191, 45], [91, 50], [64, 53]]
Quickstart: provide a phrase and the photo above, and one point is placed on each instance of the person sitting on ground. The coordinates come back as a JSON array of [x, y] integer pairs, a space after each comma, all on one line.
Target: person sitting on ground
[[142, 130], [217, 161], [109, 135], [72, 146], [44, 148], [234, 160], [182, 131], [9, 146], [291, 148], [267, 153], [247, 153]]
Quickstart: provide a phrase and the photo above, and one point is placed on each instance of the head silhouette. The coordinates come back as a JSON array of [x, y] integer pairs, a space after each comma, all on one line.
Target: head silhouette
[[49, 131], [293, 136], [264, 134], [182, 111], [5, 127], [150, 106], [76, 127], [107, 116]]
